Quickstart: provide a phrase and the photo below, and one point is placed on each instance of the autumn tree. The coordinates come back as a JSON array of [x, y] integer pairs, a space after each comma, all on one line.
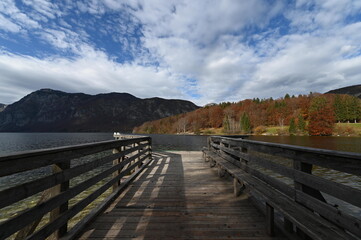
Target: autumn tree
[[215, 116], [321, 117]]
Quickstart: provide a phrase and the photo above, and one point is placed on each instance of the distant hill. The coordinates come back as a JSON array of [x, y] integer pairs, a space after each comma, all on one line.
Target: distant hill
[[354, 90], [2, 107], [48, 110]]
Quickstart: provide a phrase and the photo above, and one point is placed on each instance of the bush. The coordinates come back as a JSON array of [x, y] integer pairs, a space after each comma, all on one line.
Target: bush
[[344, 131], [260, 130]]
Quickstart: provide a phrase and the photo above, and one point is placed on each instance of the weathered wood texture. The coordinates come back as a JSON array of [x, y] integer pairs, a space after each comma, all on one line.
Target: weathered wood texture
[[129, 155], [179, 197], [282, 177]]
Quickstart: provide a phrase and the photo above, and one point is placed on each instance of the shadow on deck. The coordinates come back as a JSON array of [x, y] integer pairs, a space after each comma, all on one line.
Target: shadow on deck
[[179, 197]]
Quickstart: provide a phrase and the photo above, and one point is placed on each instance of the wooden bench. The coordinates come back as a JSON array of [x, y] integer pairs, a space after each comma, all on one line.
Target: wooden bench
[[296, 216]]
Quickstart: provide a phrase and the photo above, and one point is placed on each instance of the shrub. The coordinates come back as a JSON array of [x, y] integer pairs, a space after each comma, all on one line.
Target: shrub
[[260, 130]]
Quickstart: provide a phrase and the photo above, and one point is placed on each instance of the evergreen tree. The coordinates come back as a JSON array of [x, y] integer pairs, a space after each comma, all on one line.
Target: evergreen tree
[[245, 123], [347, 102], [354, 109], [301, 125], [292, 129], [339, 109], [287, 96], [226, 126]]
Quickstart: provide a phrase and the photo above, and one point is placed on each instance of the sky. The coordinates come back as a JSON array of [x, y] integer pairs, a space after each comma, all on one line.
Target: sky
[[205, 51]]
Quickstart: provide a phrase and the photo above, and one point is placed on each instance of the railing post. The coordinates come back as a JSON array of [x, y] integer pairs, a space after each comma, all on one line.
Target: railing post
[[64, 207], [116, 162], [307, 168], [150, 148]]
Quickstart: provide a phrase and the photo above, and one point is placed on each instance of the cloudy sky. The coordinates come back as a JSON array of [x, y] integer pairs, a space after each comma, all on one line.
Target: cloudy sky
[[204, 51]]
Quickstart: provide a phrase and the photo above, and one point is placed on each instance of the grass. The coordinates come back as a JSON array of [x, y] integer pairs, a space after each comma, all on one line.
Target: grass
[[341, 129], [347, 129]]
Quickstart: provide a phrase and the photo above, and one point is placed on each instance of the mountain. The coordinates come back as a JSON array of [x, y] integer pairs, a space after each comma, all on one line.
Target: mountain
[[48, 110], [354, 90], [2, 107]]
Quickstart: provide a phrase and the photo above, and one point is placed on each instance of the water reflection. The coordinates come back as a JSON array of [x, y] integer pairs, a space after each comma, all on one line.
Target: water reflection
[[347, 144]]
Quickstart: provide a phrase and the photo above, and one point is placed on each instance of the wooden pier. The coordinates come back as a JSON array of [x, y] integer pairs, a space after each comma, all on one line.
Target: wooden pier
[[234, 189], [179, 197]]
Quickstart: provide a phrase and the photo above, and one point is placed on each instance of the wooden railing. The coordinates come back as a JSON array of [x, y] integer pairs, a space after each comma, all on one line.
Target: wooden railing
[[71, 178], [305, 191]]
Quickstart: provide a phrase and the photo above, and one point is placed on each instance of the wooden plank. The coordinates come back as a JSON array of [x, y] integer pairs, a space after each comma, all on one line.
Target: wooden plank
[[341, 161], [49, 181], [39, 158], [344, 220], [232, 168], [263, 162], [18, 222], [317, 226], [313, 225], [52, 226], [95, 212], [199, 205], [19, 192], [338, 190]]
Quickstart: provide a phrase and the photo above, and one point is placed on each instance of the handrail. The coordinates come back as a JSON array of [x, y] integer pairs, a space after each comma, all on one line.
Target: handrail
[[291, 171], [91, 167]]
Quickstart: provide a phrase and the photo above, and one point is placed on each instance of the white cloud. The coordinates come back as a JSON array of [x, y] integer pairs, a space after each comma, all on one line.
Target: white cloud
[[8, 25], [219, 50], [92, 73], [12, 16]]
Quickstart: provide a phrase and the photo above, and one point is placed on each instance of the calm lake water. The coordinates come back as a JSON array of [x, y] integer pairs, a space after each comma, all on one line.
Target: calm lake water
[[16, 142]]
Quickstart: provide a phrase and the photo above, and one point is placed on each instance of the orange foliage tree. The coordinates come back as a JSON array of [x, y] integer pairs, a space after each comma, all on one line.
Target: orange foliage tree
[[321, 117]]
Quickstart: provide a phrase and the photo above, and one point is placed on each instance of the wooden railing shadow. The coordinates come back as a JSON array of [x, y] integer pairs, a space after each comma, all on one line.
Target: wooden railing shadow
[[149, 205], [108, 163]]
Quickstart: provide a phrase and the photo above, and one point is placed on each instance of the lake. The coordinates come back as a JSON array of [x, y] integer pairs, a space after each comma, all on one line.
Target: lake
[[16, 142]]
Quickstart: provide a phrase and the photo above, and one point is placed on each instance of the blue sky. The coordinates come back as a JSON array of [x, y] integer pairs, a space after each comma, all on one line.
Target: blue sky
[[203, 51]]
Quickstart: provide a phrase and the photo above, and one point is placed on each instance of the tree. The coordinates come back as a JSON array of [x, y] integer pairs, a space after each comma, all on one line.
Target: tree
[[215, 116], [321, 117], [182, 125], [354, 109], [245, 123], [339, 109], [292, 129], [301, 125], [226, 127]]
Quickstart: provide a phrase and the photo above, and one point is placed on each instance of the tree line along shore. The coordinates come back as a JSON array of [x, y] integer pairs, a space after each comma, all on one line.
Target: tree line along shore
[[314, 114]]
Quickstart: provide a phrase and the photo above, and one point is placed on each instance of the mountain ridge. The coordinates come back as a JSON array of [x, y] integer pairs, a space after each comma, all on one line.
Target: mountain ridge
[[48, 110], [354, 90]]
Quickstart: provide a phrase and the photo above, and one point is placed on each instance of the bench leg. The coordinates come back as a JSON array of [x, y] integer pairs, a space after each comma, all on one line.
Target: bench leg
[[288, 225], [270, 220], [221, 172], [212, 163], [238, 187]]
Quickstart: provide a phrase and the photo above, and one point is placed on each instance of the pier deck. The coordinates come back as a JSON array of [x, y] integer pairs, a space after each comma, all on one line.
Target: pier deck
[[178, 196]]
